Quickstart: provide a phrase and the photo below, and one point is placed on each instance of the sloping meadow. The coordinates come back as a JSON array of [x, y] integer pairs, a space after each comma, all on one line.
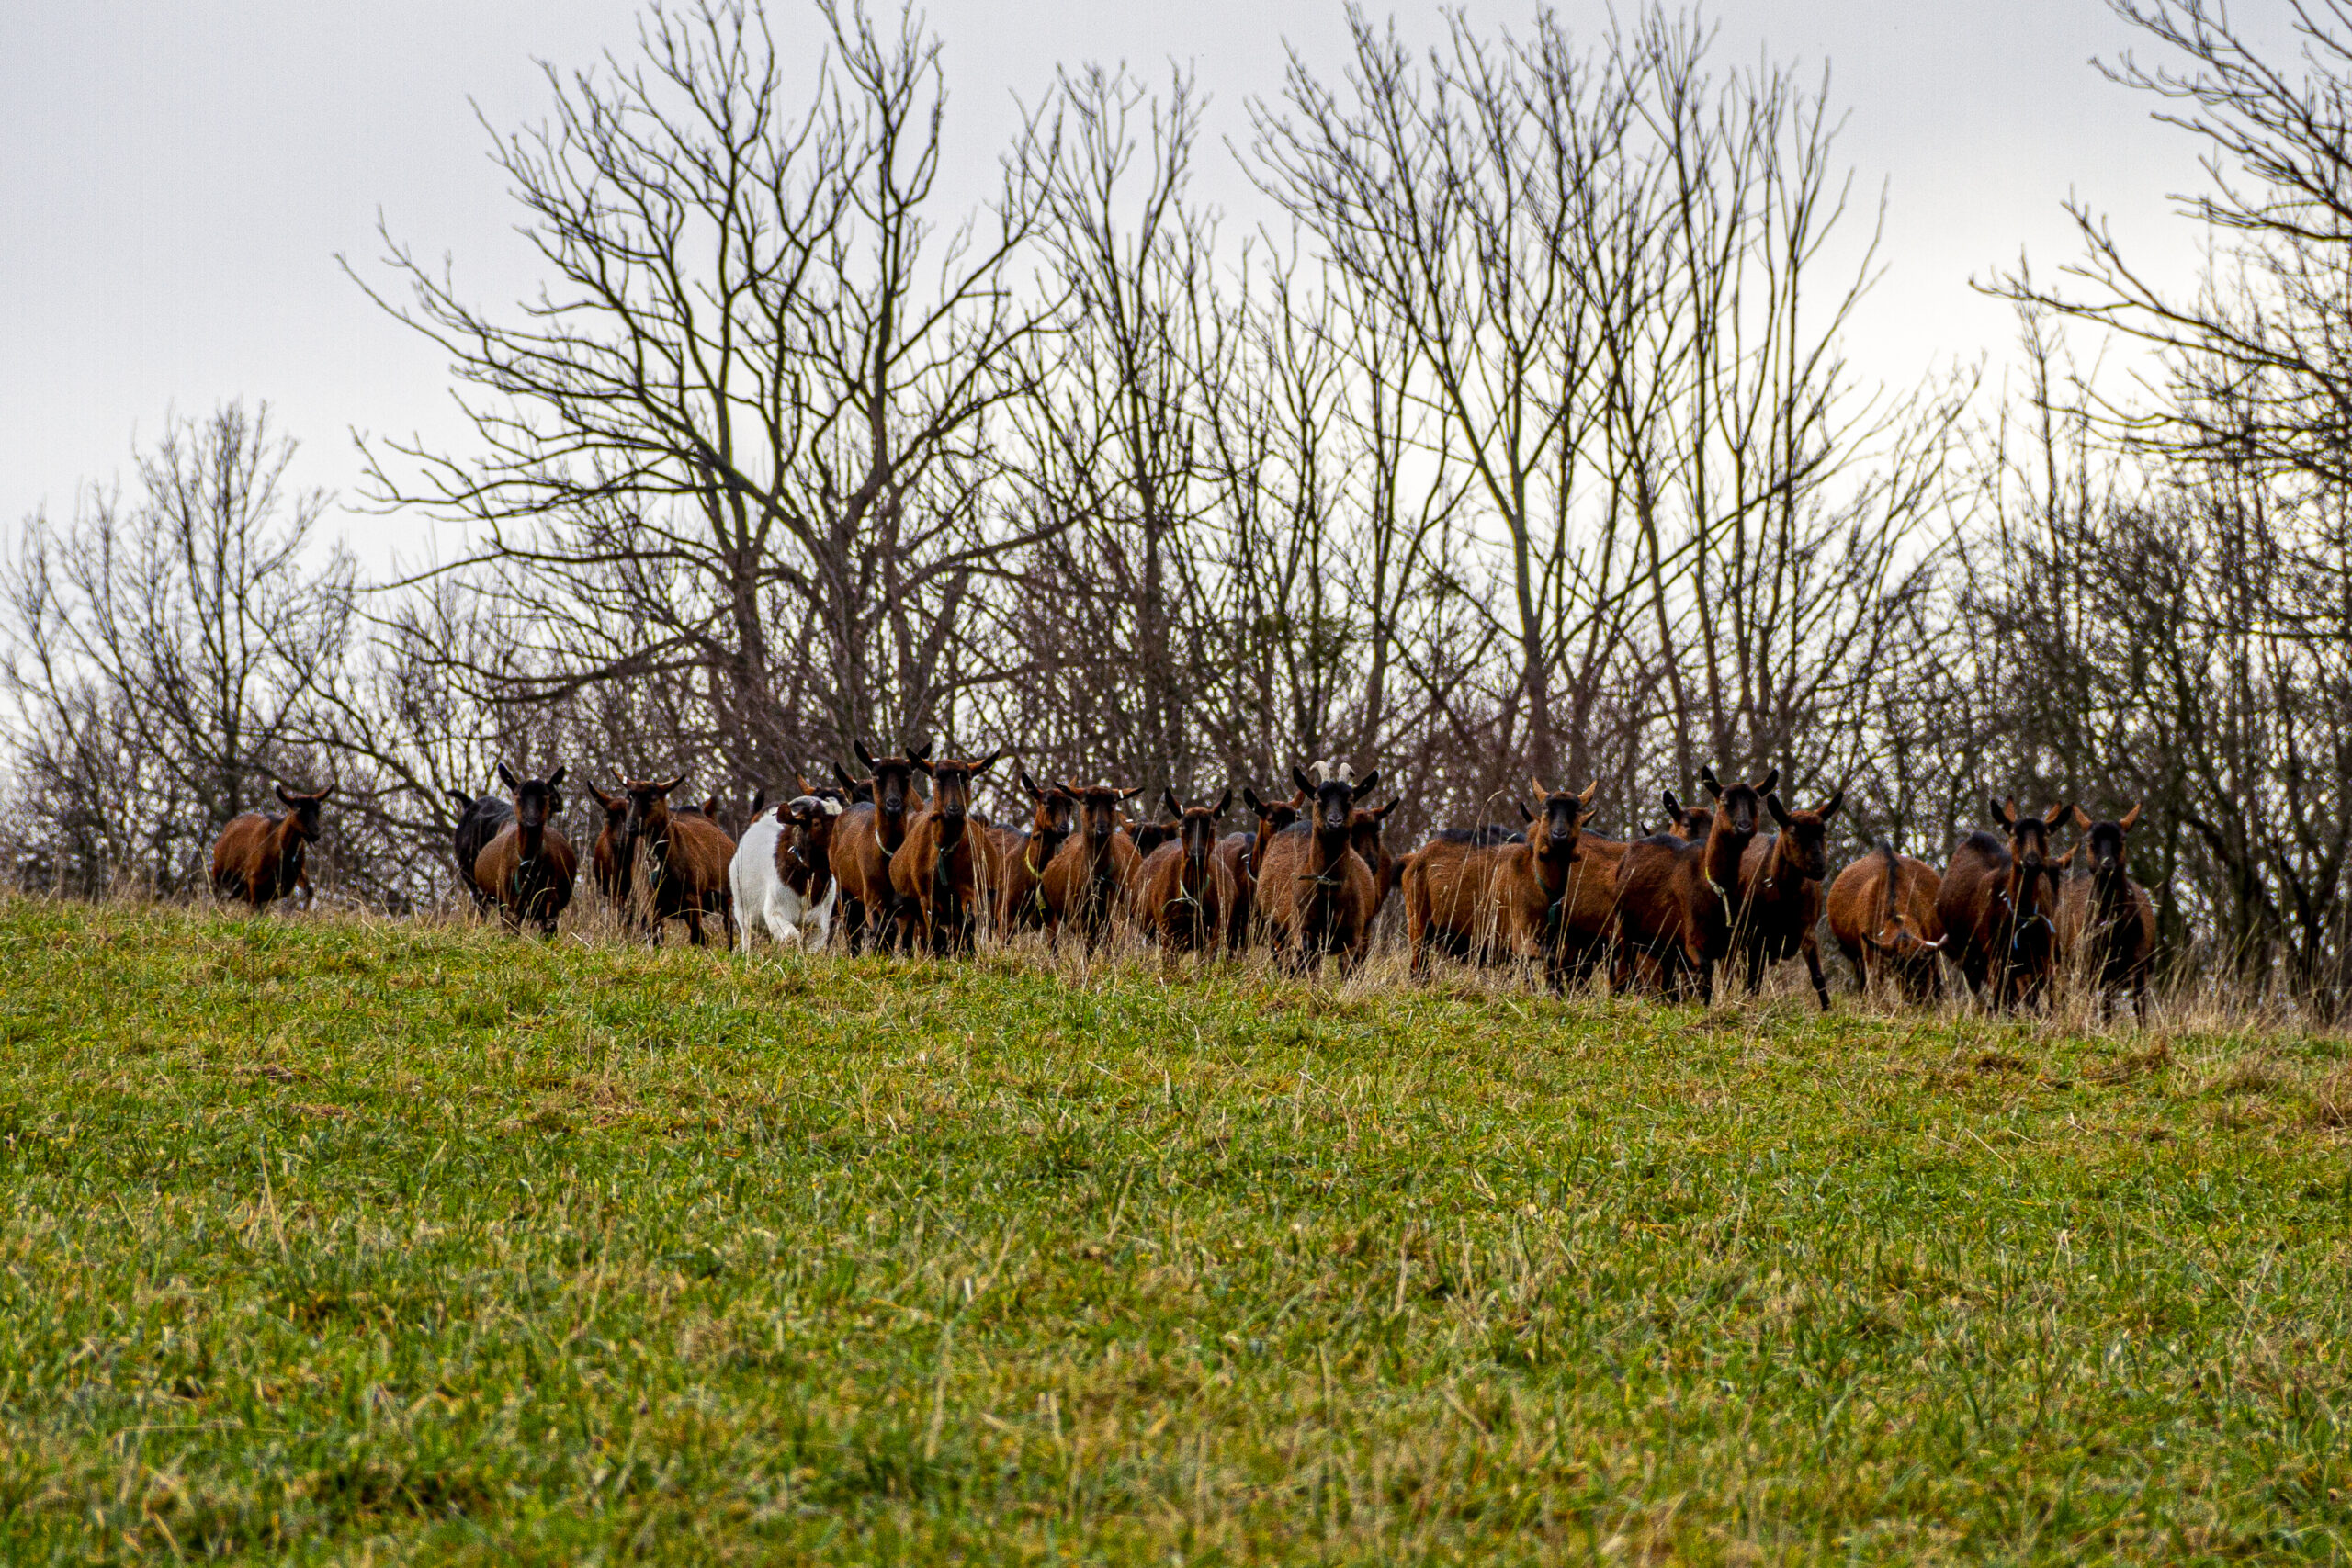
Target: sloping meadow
[[335, 1238]]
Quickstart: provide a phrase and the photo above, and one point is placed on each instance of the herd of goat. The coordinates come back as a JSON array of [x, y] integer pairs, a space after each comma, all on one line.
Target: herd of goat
[[895, 869]]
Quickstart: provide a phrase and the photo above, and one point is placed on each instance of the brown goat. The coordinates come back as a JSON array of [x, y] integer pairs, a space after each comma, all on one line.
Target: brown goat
[[1236, 851], [1089, 879], [608, 867], [530, 866], [1674, 896], [1588, 910], [1883, 912], [2107, 922], [1686, 822], [944, 867], [1315, 893], [1019, 859], [1495, 902], [481, 819], [1363, 837], [679, 859], [1187, 889], [1245, 852], [260, 857], [1998, 904], [865, 838], [1780, 893]]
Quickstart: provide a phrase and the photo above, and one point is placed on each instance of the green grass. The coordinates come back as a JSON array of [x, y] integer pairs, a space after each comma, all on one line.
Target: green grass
[[340, 1240]]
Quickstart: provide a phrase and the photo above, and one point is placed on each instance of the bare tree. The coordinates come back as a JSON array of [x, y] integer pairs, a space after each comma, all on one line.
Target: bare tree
[[747, 425], [193, 624]]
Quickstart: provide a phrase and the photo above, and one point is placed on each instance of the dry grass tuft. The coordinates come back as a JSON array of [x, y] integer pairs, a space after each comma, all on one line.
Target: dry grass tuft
[[2331, 1103], [2147, 1061], [2258, 1073]]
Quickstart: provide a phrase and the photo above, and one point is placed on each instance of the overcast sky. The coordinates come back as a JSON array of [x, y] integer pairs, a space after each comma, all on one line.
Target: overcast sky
[[181, 175]]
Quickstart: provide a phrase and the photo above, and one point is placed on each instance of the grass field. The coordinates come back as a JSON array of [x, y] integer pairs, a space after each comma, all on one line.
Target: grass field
[[369, 1241]]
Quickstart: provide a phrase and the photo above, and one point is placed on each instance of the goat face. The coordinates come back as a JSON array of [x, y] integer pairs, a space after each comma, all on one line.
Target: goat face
[[2103, 842], [535, 800], [951, 788], [304, 811], [2029, 835], [1098, 810], [1273, 815], [1563, 817], [1196, 827], [811, 817], [1334, 798], [1804, 835], [1739, 807], [893, 779], [1690, 822], [1364, 835], [616, 810], [649, 806], [1050, 825], [2030, 867]]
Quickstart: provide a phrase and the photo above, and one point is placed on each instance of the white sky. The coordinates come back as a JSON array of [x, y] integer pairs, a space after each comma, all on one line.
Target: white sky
[[179, 176]]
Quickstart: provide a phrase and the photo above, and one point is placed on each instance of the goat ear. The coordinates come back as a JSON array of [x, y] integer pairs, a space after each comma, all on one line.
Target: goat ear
[[609, 802], [664, 789], [1131, 794], [1780, 812], [555, 779], [1585, 818], [506, 778], [2063, 862], [2005, 812], [2082, 820], [1224, 801], [289, 799], [1769, 783], [1371, 782], [1384, 811], [2056, 815], [918, 761], [2131, 819], [990, 760], [920, 755], [1167, 798], [1525, 813], [864, 755], [1590, 791], [840, 776], [1707, 781], [1829, 807], [1673, 806], [1030, 785], [1298, 778], [1537, 785]]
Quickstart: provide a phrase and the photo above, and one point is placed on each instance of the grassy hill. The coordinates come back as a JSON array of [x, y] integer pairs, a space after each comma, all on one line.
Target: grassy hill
[[344, 1239]]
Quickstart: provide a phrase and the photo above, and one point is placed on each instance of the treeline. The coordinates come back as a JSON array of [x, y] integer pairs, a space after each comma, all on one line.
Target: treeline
[[1517, 439]]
